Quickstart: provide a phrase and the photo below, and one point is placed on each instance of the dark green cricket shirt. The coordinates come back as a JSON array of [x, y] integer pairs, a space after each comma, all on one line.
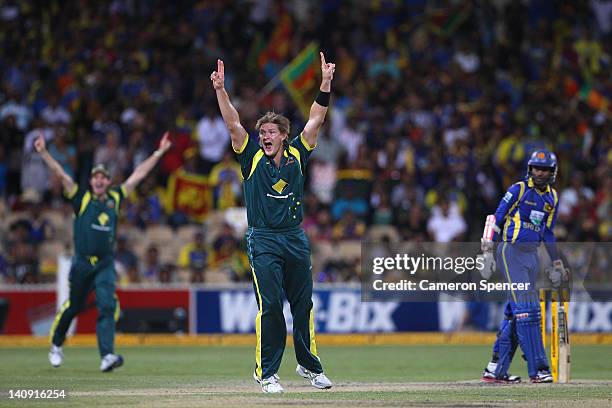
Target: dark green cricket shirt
[[95, 222], [274, 196]]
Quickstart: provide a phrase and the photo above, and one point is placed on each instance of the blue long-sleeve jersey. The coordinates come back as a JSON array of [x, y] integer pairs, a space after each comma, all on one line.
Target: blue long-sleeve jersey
[[526, 214]]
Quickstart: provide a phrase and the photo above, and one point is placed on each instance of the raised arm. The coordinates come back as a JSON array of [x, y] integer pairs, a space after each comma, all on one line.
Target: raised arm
[[146, 166], [41, 147], [318, 110], [229, 113]]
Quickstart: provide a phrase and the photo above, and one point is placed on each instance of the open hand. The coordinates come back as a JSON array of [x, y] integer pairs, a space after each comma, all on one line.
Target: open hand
[[218, 76]]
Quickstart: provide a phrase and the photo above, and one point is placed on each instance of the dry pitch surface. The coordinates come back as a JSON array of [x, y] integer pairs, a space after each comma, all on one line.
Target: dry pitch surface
[[364, 376]]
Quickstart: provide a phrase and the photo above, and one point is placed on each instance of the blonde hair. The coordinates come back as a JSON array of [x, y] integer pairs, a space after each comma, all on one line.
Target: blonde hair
[[284, 125]]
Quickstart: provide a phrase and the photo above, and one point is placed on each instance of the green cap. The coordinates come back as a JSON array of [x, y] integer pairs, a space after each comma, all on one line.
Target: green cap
[[100, 168]]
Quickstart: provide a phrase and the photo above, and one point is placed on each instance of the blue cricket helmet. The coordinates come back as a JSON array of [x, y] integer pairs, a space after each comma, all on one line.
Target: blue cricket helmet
[[546, 159]]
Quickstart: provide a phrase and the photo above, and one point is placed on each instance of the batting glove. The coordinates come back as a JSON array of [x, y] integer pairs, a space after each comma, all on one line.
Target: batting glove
[[489, 264]]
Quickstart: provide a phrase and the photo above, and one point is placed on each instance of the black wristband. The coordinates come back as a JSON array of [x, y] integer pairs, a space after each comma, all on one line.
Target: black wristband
[[323, 98]]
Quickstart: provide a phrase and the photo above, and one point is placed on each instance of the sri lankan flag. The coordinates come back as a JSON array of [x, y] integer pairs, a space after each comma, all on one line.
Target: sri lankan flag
[[277, 49], [300, 78], [190, 194]]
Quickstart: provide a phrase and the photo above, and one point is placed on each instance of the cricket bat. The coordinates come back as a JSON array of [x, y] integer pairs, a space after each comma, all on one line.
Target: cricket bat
[[564, 341]]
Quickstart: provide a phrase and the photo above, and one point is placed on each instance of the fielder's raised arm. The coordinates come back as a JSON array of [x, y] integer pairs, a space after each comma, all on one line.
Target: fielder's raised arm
[[146, 166], [41, 147], [318, 110], [229, 113]]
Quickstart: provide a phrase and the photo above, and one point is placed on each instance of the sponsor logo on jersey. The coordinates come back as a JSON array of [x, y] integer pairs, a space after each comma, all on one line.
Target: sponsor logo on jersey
[[531, 203], [536, 217], [530, 226]]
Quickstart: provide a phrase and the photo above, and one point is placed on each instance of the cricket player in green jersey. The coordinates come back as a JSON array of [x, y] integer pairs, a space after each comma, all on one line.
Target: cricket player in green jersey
[[96, 211], [278, 249]]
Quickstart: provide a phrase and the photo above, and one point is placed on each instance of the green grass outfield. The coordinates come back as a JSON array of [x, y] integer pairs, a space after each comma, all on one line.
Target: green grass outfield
[[186, 376]]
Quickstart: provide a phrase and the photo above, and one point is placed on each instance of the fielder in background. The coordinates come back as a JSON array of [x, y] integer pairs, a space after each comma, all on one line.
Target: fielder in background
[[525, 217], [278, 250], [96, 211]]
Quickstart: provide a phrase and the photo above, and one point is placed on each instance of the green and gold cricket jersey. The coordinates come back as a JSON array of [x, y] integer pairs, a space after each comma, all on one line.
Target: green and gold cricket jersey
[[273, 195], [95, 222]]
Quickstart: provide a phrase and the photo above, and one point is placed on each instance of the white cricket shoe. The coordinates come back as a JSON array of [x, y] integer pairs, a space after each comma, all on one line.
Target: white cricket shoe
[[56, 356], [319, 380], [258, 380], [110, 362], [271, 385]]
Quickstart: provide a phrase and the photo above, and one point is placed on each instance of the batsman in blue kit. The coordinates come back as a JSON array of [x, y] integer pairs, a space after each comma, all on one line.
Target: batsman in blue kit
[[525, 217], [278, 250]]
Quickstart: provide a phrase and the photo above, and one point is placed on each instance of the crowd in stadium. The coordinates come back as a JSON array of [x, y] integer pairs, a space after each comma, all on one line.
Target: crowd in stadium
[[435, 108]]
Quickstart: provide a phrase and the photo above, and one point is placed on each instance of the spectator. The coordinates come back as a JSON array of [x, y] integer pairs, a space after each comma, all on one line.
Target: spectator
[[14, 107], [328, 148], [145, 207], [349, 203], [213, 137], [323, 165], [351, 137], [455, 108], [166, 274], [223, 245], [226, 180], [235, 264], [4, 276], [194, 256], [126, 262], [446, 223], [86, 148], [34, 173], [63, 152], [415, 227], [23, 263], [349, 227], [54, 113], [41, 229], [319, 225], [3, 170], [113, 156], [151, 266], [382, 211], [571, 196]]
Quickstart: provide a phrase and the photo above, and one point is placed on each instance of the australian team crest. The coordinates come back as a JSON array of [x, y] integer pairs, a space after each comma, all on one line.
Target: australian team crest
[[279, 186]]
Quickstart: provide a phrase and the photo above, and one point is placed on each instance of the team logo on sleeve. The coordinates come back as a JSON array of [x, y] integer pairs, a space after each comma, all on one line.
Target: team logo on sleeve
[[508, 197], [279, 186], [548, 207]]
